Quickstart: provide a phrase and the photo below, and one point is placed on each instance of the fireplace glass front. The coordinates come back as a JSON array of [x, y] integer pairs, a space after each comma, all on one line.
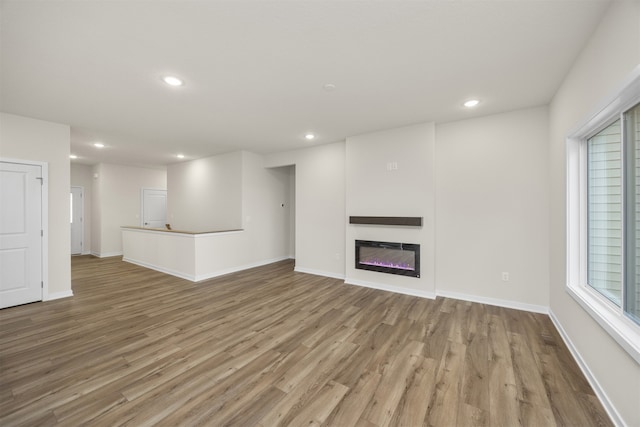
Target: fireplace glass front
[[388, 257]]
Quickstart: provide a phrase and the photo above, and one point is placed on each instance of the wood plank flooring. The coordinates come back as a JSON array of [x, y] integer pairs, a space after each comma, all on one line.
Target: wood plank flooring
[[268, 346]]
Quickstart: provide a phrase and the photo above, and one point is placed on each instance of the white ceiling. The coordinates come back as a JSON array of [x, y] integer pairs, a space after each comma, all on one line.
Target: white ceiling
[[254, 70]]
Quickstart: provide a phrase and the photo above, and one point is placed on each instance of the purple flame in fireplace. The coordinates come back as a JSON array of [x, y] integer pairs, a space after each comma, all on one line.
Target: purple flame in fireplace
[[388, 264]]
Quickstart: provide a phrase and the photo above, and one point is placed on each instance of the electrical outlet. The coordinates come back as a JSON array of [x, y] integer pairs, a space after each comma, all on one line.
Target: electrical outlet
[[505, 276]]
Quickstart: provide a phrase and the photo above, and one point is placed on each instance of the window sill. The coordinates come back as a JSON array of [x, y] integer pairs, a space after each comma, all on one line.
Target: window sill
[[622, 330]]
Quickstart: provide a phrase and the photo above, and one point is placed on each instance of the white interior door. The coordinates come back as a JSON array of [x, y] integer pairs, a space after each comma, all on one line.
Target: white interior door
[[77, 220], [20, 234], [154, 208]]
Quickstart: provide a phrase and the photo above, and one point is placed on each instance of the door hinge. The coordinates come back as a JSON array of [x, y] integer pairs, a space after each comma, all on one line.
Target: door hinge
[[42, 285], [41, 233]]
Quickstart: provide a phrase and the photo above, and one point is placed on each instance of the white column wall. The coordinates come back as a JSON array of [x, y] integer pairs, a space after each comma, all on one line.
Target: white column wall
[[491, 209], [29, 139]]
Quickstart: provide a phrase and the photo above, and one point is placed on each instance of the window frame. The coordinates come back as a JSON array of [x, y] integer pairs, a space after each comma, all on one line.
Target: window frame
[[611, 317]]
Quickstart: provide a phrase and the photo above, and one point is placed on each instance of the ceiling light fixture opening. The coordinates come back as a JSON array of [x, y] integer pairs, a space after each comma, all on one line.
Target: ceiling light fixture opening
[[309, 136], [180, 156], [98, 145], [471, 103], [329, 87], [73, 156], [172, 81]]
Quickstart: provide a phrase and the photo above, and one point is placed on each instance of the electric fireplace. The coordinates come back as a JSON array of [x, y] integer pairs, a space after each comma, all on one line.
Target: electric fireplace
[[388, 257]]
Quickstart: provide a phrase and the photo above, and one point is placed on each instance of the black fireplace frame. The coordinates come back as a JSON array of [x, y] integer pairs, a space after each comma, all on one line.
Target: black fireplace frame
[[389, 245]]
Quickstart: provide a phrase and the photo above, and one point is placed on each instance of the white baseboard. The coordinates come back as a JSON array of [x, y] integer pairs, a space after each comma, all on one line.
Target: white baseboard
[[160, 269], [319, 272], [59, 295], [389, 288], [206, 276], [106, 254], [602, 396], [494, 301], [239, 268]]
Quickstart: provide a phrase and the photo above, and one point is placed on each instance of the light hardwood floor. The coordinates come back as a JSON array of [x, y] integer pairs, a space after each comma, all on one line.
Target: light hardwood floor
[[269, 346]]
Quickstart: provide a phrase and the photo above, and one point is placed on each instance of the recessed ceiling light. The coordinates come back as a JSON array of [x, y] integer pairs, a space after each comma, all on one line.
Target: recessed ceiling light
[[98, 145], [471, 103], [309, 136], [172, 81], [180, 156], [329, 87], [73, 156]]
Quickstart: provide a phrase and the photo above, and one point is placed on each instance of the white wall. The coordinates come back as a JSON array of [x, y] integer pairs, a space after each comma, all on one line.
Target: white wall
[[117, 197], [319, 206], [609, 57], [206, 194], [491, 209], [29, 139], [373, 190], [82, 176], [265, 204]]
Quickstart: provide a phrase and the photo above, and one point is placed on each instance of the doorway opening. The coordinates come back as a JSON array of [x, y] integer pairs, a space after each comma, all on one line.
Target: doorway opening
[[23, 232], [154, 208], [76, 219]]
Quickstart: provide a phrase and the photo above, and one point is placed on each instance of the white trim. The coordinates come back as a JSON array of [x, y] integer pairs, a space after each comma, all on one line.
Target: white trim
[[45, 231], [319, 272], [160, 269], [612, 319], [239, 268], [44, 218], [201, 277], [622, 98], [622, 330], [445, 294], [59, 295], [195, 235], [595, 385], [213, 233], [106, 254], [152, 231], [494, 301], [390, 288], [81, 216]]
